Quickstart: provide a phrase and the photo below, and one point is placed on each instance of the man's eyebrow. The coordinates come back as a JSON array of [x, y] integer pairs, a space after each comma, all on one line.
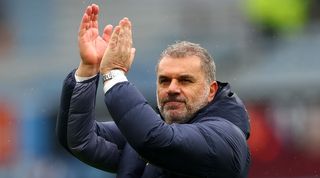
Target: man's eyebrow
[[162, 76], [186, 76]]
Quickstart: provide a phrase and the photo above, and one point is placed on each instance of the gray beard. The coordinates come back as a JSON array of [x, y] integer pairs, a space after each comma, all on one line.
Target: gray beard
[[190, 110]]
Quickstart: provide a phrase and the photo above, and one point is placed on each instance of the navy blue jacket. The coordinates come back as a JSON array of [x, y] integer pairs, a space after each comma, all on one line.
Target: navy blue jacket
[[140, 144]]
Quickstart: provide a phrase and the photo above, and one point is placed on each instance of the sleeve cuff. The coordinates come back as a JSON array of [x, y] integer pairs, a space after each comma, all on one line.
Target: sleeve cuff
[[81, 79], [120, 77]]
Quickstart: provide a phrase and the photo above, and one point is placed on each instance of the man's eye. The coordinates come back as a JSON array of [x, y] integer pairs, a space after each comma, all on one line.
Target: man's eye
[[163, 81], [186, 81]]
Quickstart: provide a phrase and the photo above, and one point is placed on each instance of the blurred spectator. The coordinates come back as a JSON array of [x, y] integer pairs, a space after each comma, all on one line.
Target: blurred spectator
[[8, 134], [277, 17], [285, 139], [314, 11], [8, 118]]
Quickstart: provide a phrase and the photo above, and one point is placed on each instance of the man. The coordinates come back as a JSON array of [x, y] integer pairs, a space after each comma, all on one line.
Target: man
[[202, 127]]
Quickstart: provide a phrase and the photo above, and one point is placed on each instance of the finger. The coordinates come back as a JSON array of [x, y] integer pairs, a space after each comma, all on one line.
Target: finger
[[129, 32], [95, 8], [107, 33], [125, 36], [95, 15], [126, 23], [85, 21], [114, 38], [89, 10], [122, 39]]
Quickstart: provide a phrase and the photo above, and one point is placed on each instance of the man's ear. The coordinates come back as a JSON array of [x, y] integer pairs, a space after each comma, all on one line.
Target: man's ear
[[213, 90]]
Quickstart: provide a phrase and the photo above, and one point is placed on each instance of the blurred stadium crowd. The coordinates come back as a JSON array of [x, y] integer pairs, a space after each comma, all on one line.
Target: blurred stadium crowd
[[267, 49]]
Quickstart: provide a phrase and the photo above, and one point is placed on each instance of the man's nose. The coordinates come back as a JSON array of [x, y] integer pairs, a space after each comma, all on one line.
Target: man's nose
[[174, 87]]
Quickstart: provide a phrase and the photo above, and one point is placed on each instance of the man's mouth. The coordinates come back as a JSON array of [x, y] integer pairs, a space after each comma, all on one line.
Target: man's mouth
[[173, 104]]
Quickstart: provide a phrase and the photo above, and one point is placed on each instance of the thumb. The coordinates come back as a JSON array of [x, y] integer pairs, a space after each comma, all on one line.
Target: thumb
[[132, 53]]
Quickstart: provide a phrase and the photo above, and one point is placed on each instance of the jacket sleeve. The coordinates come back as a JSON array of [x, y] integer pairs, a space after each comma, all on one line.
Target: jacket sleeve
[[98, 144], [212, 148]]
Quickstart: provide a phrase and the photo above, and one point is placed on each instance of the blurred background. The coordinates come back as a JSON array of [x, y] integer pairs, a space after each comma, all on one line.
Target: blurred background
[[269, 50]]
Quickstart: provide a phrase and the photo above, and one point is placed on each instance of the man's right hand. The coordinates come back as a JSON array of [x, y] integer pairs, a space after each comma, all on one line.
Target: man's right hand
[[91, 45]]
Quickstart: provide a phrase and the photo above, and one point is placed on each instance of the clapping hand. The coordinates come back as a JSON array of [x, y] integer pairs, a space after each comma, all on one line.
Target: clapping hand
[[119, 53], [91, 45]]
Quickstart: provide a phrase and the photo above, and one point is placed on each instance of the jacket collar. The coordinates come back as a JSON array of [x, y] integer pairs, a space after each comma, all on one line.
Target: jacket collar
[[227, 105]]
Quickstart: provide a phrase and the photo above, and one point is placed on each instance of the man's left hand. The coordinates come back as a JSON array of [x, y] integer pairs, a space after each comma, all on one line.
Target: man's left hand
[[119, 53]]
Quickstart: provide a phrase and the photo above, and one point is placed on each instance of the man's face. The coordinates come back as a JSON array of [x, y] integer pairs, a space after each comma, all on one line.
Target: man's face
[[182, 88]]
